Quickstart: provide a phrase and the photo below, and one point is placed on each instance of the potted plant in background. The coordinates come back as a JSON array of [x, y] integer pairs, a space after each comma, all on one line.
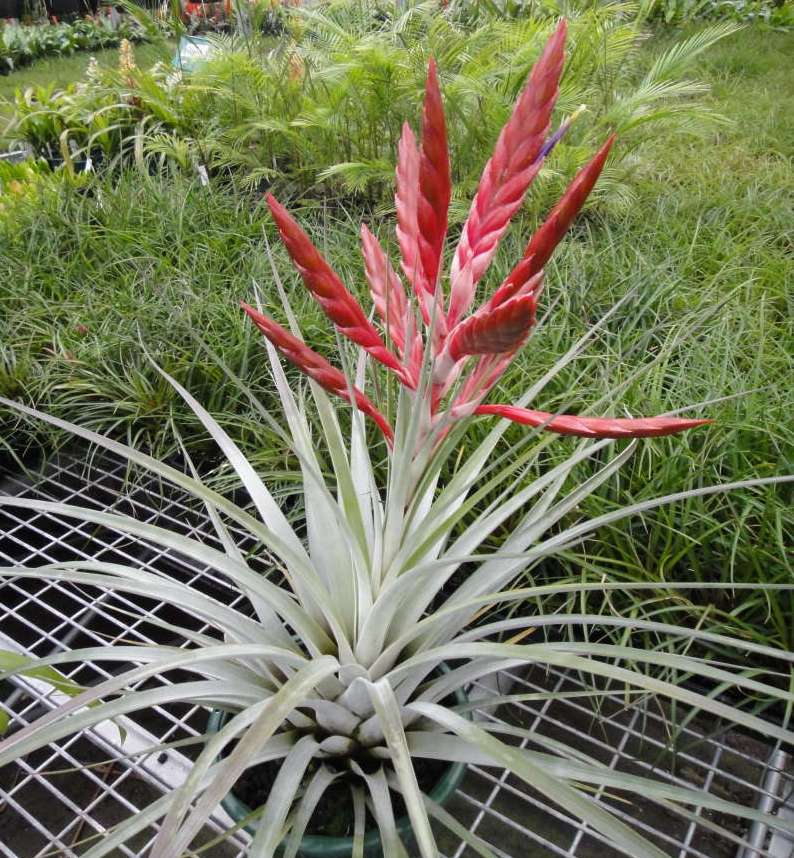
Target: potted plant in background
[[40, 121], [396, 599]]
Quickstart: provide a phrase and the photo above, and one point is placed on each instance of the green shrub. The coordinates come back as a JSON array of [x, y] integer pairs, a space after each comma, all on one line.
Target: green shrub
[[327, 108], [20, 45], [773, 13], [320, 113]]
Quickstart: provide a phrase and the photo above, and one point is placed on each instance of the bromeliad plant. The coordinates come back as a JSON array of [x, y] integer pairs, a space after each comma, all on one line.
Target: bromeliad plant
[[395, 600]]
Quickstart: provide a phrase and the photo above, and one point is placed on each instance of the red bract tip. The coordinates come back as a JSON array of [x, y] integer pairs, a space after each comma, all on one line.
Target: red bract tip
[[548, 236], [480, 380], [518, 282], [326, 286], [593, 427], [435, 185], [387, 291], [496, 335], [508, 174], [316, 366]]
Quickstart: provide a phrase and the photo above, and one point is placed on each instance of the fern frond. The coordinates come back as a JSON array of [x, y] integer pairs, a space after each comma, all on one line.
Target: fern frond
[[359, 175], [676, 58]]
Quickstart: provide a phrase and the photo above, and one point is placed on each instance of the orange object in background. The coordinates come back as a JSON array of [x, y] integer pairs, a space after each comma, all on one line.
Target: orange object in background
[[216, 11]]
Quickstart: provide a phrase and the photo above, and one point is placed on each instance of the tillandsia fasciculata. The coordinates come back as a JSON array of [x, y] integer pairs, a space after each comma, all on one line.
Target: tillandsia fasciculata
[[487, 340], [401, 587]]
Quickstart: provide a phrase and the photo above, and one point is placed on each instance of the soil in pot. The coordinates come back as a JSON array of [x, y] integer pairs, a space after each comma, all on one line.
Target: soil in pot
[[334, 814]]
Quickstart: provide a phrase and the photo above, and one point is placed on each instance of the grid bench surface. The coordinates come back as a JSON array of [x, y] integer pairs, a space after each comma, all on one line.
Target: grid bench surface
[[54, 801]]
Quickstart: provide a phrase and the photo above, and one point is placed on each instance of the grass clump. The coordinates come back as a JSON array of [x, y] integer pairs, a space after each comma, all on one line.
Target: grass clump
[[97, 271], [64, 70], [708, 248]]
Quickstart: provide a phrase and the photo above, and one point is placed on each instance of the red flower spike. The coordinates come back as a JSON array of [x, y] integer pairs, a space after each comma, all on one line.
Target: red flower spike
[[548, 236], [435, 184], [324, 284], [316, 366], [507, 176], [593, 427], [387, 291], [497, 331], [406, 200]]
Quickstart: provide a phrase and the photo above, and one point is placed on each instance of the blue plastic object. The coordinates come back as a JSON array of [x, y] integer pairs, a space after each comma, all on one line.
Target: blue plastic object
[[192, 52]]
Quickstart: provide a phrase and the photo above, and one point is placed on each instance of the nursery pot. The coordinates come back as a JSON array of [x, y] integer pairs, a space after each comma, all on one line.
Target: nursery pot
[[54, 161], [97, 158], [319, 846]]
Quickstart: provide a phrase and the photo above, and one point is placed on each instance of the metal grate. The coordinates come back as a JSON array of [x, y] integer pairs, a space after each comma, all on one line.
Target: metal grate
[[53, 801]]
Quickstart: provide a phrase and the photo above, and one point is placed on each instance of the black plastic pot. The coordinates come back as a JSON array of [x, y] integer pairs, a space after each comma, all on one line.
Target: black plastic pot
[[316, 846], [97, 159], [54, 161]]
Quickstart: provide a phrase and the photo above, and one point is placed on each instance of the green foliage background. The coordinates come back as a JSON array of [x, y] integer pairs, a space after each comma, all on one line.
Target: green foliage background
[[317, 113]]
